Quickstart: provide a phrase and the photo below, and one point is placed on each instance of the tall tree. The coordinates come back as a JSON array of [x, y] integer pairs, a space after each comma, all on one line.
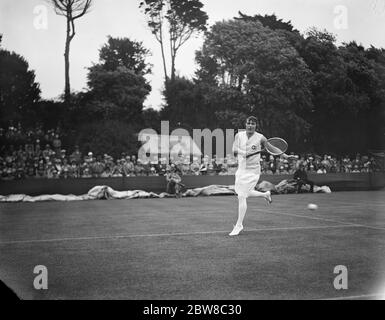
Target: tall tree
[[19, 92], [117, 94], [376, 115], [274, 23], [180, 19], [109, 114], [117, 84], [125, 53], [263, 71], [270, 21], [344, 86], [71, 10]]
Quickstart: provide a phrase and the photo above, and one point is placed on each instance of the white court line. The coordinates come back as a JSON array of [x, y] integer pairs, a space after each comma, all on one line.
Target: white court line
[[171, 234], [326, 220], [336, 206], [381, 296]]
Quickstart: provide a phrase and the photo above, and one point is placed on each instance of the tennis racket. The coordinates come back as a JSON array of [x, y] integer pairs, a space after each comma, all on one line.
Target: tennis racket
[[274, 146]]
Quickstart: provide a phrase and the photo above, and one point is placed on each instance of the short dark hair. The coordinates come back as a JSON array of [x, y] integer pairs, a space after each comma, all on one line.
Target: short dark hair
[[252, 118]]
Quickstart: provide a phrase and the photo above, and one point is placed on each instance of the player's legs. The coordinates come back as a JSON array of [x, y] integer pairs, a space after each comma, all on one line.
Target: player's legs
[[242, 208], [266, 195], [254, 193], [245, 183]]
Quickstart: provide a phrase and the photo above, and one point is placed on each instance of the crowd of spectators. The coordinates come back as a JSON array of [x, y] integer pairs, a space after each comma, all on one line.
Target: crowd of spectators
[[39, 154]]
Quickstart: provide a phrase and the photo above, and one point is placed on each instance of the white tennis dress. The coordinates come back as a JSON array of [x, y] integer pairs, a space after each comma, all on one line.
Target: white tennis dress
[[249, 170]]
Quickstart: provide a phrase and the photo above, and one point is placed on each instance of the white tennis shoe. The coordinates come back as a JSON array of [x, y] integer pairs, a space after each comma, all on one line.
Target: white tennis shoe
[[268, 197], [237, 229]]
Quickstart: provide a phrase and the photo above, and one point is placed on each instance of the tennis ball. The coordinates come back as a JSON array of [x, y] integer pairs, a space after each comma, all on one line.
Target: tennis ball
[[312, 206]]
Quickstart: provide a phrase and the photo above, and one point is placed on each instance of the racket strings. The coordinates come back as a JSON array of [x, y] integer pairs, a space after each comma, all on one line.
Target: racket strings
[[276, 143]]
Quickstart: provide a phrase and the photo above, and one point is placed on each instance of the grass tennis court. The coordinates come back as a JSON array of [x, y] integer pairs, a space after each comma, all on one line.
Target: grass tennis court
[[180, 248]]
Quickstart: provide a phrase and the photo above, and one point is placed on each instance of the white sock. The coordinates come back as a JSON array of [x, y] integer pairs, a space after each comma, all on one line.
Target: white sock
[[242, 207]]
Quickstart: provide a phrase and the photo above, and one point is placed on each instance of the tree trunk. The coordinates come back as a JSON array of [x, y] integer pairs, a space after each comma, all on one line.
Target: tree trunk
[[164, 62], [173, 56], [163, 56], [173, 68], [67, 88]]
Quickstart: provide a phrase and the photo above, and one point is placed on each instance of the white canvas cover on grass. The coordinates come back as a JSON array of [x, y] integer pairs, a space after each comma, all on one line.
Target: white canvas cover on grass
[[106, 192]]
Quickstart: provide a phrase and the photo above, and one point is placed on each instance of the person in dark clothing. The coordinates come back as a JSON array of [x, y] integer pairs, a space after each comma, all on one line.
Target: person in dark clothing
[[300, 176], [174, 184]]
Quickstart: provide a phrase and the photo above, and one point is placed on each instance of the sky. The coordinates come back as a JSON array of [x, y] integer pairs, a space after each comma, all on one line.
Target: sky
[[32, 29]]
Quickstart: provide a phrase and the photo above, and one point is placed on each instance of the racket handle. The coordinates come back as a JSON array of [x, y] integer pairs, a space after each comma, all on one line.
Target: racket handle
[[253, 154]]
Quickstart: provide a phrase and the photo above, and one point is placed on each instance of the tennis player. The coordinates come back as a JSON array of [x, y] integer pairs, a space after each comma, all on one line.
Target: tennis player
[[247, 175]]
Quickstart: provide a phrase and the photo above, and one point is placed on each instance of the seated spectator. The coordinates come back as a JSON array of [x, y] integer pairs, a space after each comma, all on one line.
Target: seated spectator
[[272, 164], [173, 179], [195, 167], [133, 159], [185, 166], [139, 169], [7, 174], [76, 156], [38, 152], [128, 167], [210, 169], [300, 177], [146, 168], [40, 172], [162, 166], [74, 171], [204, 166], [117, 170], [97, 167], [321, 169], [56, 143], [55, 174], [153, 172], [86, 172], [30, 170], [264, 164], [89, 158], [225, 166], [48, 172], [357, 163], [326, 163], [312, 169], [47, 152], [62, 154], [66, 169], [19, 174], [58, 166]]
